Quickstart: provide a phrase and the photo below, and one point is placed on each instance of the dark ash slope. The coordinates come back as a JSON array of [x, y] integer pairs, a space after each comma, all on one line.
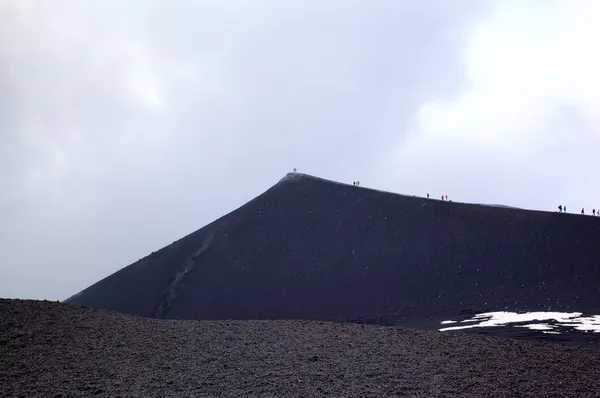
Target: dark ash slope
[[313, 249], [47, 349]]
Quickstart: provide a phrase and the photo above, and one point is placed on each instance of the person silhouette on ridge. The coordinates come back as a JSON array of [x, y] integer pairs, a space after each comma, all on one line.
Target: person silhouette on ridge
[[559, 208], [428, 195], [582, 211], [593, 212]]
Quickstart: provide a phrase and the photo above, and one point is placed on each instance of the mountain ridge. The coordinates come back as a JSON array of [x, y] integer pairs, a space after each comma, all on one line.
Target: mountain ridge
[[312, 248]]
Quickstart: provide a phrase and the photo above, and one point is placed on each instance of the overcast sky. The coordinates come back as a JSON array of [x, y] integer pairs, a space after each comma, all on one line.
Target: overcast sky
[[125, 125]]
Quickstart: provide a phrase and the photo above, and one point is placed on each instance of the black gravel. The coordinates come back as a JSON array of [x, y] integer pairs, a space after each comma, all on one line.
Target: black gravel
[[50, 349]]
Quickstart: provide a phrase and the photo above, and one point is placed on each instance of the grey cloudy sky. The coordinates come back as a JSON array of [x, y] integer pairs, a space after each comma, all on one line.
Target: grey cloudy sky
[[125, 125]]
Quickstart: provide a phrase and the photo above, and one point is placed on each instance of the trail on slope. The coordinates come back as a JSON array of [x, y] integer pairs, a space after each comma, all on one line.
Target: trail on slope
[[164, 305]]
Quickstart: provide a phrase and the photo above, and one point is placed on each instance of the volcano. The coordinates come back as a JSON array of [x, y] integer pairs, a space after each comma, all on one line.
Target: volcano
[[314, 249]]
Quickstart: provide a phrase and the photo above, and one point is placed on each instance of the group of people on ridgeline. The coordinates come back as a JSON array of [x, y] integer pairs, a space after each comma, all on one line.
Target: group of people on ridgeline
[[444, 197], [563, 209]]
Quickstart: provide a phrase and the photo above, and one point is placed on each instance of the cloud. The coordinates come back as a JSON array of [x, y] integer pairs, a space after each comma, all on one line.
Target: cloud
[[526, 130], [125, 125]]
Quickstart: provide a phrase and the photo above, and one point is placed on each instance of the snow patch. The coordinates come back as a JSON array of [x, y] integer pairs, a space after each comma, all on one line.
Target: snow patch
[[573, 320], [537, 326]]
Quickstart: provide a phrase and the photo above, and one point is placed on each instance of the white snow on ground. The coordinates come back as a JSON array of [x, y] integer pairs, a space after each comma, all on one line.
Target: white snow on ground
[[537, 326], [590, 323], [560, 319]]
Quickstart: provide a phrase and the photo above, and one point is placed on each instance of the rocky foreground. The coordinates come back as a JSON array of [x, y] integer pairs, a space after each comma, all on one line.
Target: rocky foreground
[[50, 349]]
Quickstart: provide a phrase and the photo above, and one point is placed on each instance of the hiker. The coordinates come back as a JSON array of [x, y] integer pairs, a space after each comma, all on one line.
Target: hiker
[[442, 197], [446, 197], [593, 212], [357, 183], [565, 208], [428, 195], [559, 208], [582, 211], [354, 183]]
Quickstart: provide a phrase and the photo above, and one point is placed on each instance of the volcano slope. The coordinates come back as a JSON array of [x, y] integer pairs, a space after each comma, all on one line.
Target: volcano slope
[[314, 249]]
